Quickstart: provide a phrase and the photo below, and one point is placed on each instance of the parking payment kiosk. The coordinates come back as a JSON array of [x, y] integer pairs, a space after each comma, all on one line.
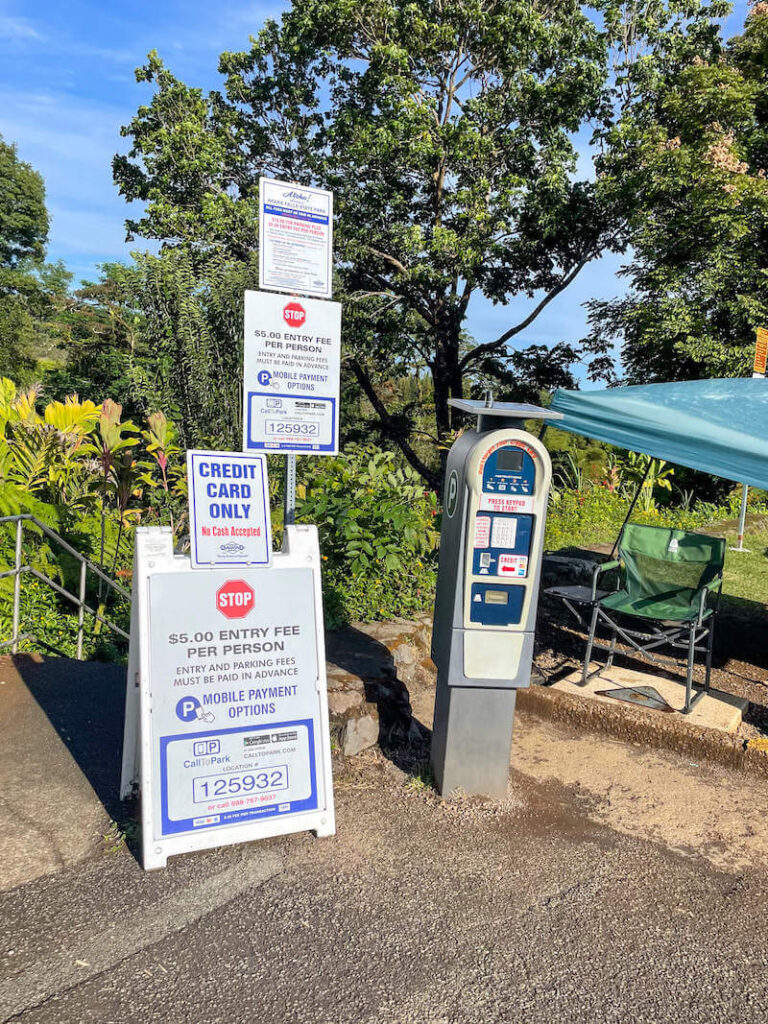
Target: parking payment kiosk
[[494, 512]]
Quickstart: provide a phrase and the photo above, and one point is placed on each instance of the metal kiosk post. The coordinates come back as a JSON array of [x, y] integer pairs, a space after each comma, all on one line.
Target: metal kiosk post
[[495, 509]]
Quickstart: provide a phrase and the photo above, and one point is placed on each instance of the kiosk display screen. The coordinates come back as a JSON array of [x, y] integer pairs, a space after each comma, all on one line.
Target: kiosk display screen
[[509, 460]]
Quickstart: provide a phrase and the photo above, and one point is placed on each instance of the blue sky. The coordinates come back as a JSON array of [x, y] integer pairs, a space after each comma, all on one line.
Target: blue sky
[[67, 85]]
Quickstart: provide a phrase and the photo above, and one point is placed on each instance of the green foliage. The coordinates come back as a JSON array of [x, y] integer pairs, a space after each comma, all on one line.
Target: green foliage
[[193, 313], [55, 623], [650, 474], [23, 216], [51, 617], [447, 133], [84, 457], [28, 288], [577, 461], [595, 515], [163, 472], [85, 472], [691, 144], [105, 349], [370, 512], [44, 454], [367, 597], [17, 336], [378, 533]]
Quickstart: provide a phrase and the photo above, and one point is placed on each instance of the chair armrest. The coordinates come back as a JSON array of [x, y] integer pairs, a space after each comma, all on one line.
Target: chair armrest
[[705, 591], [602, 567]]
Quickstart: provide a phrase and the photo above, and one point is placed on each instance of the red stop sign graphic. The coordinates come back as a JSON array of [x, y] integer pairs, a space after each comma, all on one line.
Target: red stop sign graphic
[[294, 314], [235, 599]]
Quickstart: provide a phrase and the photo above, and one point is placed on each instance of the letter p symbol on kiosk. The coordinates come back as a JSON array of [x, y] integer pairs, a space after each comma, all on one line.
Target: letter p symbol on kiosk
[[496, 489]]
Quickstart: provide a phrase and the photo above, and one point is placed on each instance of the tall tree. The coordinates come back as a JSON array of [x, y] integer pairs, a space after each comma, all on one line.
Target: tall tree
[[694, 145], [23, 216], [100, 329], [447, 131], [23, 236], [192, 309]]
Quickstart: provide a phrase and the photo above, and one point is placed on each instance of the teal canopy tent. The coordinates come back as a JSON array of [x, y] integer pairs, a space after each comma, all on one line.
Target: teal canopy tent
[[717, 426]]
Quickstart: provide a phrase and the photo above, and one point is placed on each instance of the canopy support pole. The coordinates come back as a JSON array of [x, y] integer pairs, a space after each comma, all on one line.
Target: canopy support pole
[[745, 487], [742, 519], [631, 508]]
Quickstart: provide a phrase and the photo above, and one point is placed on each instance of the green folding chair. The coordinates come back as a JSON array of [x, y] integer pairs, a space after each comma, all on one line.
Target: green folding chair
[[667, 578]]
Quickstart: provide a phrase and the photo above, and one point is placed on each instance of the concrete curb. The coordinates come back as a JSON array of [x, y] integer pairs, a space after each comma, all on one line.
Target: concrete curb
[[391, 660], [662, 732]]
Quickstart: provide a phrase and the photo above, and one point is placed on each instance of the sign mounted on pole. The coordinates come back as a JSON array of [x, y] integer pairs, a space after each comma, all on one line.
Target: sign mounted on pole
[[295, 238], [227, 709], [229, 522], [292, 371], [761, 352]]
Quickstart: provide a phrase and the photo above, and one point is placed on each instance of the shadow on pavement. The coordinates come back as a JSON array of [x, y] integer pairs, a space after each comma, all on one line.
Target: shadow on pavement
[[84, 702]]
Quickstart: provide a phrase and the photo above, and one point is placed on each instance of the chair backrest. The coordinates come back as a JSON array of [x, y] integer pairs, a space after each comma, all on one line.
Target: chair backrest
[[658, 560]]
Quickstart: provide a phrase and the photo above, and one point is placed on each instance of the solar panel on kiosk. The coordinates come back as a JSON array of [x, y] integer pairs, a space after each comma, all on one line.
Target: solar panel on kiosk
[[519, 410]]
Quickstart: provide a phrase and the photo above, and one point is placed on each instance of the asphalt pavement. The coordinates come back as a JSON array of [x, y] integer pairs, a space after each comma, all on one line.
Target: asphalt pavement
[[417, 911]]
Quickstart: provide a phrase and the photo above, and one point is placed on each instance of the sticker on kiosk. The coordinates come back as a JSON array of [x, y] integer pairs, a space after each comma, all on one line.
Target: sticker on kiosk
[[482, 531], [513, 565], [521, 503]]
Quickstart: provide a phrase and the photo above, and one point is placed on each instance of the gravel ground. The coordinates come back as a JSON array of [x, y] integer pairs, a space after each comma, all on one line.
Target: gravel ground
[[419, 910], [614, 884], [740, 663]]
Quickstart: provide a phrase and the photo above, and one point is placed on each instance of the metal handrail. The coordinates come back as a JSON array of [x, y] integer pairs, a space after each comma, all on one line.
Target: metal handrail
[[78, 599]]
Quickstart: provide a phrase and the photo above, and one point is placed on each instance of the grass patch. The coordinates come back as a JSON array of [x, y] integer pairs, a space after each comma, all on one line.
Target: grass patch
[[746, 572], [422, 780], [120, 834]]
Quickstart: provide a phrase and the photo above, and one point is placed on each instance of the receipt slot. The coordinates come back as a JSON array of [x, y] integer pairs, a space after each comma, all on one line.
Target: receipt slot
[[494, 512]]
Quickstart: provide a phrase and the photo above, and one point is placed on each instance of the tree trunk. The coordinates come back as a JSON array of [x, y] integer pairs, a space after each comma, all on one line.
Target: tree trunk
[[441, 391], [388, 427], [447, 382]]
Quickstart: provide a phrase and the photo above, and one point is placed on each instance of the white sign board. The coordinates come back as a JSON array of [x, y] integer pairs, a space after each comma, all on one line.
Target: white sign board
[[229, 522], [295, 238], [292, 372], [230, 727]]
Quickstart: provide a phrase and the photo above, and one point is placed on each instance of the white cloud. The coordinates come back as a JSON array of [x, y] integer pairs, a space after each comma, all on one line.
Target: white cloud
[[71, 142], [17, 28], [98, 234], [67, 89]]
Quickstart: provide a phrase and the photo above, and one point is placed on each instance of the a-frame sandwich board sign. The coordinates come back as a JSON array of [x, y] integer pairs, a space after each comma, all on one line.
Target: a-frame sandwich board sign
[[226, 728]]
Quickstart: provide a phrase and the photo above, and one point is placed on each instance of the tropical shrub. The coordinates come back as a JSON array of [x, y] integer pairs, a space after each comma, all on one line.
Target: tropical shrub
[[82, 470], [378, 533], [84, 457]]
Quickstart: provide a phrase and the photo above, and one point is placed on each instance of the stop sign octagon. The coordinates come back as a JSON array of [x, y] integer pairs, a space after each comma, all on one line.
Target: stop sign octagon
[[235, 599], [294, 314]]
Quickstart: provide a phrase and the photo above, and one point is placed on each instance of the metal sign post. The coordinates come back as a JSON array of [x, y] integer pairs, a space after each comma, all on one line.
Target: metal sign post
[[289, 516], [292, 345], [226, 725], [742, 520]]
